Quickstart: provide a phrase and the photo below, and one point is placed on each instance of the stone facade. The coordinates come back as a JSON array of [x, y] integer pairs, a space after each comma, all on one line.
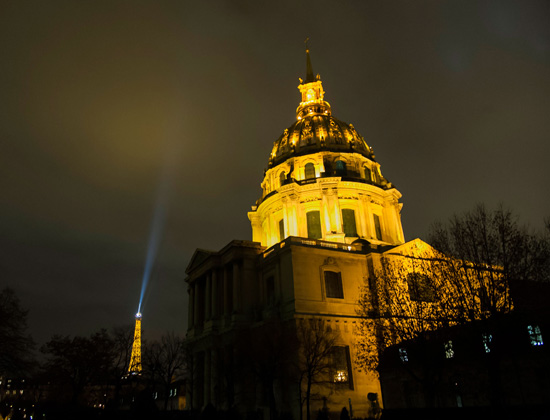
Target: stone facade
[[325, 216]]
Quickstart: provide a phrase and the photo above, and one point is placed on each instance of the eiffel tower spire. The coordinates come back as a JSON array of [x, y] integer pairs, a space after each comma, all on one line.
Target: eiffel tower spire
[[135, 359]]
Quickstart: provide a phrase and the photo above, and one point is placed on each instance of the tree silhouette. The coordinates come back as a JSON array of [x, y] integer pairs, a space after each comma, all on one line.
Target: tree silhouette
[[469, 277], [75, 363], [15, 347], [266, 352], [165, 361], [315, 358]]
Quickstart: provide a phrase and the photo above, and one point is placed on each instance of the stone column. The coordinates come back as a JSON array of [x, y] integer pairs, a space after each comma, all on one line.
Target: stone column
[[197, 382], [225, 292], [197, 303], [214, 391], [324, 211], [236, 287], [256, 223], [364, 217], [214, 295], [191, 309], [370, 216], [292, 211], [208, 297], [207, 373]]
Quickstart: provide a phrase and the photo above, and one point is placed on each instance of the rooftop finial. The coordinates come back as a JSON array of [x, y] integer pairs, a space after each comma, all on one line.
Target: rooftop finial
[[309, 69]]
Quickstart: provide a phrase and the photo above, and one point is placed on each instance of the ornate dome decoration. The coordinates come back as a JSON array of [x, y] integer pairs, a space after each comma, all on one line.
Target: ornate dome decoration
[[318, 132], [323, 182]]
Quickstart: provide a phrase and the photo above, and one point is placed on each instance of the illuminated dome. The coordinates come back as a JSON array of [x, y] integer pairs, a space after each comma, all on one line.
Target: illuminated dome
[[315, 132], [323, 182]]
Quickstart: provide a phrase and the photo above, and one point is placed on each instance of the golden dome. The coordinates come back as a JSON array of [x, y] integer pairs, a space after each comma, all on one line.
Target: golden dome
[[318, 132]]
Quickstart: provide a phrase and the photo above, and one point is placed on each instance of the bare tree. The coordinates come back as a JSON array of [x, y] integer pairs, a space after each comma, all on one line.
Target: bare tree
[[315, 361], [415, 297], [166, 361], [123, 337], [15, 357], [75, 363], [495, 250], [267, 352]]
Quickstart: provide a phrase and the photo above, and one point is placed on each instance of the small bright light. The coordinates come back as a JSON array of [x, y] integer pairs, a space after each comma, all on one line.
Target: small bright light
[[138, 315]]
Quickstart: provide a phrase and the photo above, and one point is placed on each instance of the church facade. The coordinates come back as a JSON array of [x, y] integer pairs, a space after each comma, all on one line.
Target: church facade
[[326, 217]]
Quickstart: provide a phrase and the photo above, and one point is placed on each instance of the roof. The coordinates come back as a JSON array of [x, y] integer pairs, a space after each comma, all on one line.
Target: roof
[[318, 132]]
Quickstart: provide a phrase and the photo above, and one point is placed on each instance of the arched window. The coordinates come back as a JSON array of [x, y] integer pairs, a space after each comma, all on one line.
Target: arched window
[[310, 170], [367, 172], [341, 168], [348, 222], [282, 178]]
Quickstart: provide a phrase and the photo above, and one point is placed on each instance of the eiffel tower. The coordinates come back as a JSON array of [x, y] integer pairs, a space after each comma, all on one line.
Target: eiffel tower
[[135, 359]]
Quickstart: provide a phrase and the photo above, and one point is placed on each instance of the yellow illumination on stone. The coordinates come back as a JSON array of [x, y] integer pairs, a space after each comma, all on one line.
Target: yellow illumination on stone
[[329, 192]]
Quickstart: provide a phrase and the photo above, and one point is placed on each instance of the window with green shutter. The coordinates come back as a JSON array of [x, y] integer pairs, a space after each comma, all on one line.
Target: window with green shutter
[[348, 221], [314, 225], [377, 227]]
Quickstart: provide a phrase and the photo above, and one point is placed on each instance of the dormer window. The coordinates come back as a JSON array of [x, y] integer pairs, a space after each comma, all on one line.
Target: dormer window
[[341, 169], [309, 170], [282, 178], [367, 174]]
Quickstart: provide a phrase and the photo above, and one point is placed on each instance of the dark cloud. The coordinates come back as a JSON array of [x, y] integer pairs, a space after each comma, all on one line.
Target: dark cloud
[[98, 98]]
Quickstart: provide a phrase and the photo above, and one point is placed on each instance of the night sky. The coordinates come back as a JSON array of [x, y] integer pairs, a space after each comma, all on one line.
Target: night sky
[[107, 106]]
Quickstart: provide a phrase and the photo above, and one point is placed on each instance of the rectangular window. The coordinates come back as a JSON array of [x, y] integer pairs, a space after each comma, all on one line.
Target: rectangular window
[[281, 229], [377, 227], [341, 363], [314, 225], [535, 335], [348, 219], [333, 285]]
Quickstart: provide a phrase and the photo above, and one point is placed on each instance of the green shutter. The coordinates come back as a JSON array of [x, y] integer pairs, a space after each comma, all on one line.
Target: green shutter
[[314, 225], [377, 227], [348, 219], [310, 171]]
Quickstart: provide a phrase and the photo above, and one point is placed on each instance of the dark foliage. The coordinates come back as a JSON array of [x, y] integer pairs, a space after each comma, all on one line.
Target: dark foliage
[[15, 345]]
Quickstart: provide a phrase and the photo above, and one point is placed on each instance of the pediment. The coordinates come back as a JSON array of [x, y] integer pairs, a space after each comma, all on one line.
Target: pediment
[[198, 258]]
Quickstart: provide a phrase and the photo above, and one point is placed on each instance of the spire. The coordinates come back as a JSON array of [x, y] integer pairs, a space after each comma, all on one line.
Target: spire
[[312, 93], [135, 358], [309, 69]]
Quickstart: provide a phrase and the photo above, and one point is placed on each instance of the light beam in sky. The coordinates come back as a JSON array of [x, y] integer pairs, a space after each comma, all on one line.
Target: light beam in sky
[[159, 216]]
